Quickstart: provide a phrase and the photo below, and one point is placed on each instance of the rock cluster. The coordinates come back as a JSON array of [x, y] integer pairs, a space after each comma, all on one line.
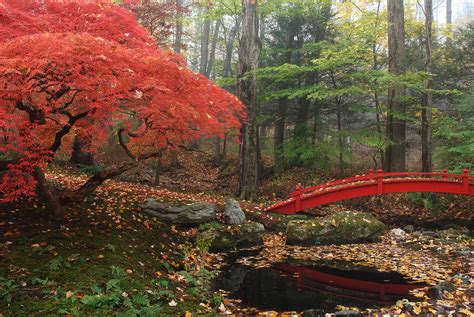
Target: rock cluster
[[338, 228], [190, 214]]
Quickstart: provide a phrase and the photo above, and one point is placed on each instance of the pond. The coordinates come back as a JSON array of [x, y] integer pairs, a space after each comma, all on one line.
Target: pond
[[321, 286]]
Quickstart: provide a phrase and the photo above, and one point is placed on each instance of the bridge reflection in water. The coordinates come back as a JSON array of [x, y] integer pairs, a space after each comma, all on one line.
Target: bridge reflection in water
[[284, 287]]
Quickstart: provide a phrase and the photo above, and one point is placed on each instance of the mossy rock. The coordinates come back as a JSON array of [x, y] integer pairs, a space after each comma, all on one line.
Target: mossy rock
[[218, 237], [338, 228]]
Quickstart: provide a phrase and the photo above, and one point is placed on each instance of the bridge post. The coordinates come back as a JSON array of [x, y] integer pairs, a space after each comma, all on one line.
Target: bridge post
[[298, 197], [379, 182], [465, 181], [445, 172]]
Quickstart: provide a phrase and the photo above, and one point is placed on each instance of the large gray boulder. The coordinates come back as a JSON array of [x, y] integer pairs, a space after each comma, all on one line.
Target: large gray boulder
[[233, 214], [190, 214], [338, 228]]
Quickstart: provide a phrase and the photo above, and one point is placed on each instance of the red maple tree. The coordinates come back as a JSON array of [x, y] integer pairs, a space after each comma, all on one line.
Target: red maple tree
[[89, 65]]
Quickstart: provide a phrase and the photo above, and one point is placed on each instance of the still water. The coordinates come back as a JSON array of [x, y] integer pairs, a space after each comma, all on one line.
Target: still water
[[322, 286]]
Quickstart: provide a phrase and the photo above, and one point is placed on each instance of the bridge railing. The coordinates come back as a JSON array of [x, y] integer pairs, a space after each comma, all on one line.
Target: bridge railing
[[379, 176]]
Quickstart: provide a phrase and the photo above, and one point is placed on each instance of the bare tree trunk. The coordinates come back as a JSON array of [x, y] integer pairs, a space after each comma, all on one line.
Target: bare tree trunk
[[212, 55], [229, 49], [157, 173], [426, 111], [449, 13], [179, 29], [206, 30], [279, 134], [177, 48], [217, 155], [375, 66], [340, 140], [300, 130], [259, 153], [396, 124], [249, 52]]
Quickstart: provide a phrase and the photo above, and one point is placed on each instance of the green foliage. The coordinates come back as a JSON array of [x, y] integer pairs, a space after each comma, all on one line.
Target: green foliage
[[454, 134], [204, 242], [429, 201], [297, 153], [56, 263], [122, 293], [7, 288]]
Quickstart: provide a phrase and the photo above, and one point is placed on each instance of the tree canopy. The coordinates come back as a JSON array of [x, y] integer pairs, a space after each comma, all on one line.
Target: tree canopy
[[91, 66]]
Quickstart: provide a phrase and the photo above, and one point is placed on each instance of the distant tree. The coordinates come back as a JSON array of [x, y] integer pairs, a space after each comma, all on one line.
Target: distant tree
[[91, 66], [426, 113], [249, 53], [396, 107]]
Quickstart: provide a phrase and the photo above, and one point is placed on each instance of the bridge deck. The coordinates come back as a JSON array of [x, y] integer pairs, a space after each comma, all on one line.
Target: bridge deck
[[375, 184]]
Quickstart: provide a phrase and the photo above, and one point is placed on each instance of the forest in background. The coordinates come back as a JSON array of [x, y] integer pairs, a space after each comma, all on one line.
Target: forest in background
[[334, 92]]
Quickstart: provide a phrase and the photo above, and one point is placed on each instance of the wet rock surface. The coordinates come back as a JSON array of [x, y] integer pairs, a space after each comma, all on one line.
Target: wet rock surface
[[190, 214], [338, 228]]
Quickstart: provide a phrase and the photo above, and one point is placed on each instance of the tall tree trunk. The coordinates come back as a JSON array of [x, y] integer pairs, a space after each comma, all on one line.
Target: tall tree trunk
[[340, 140], [279, 134], [396, 124], [229, 48], [81, 152], [426, 111], [156, 182], [300, 131], [249, 52], [212, 55], [217, 155], [206, 30], [449, 13], [375, 66], [316, 123], [179, 28], [174, 162]]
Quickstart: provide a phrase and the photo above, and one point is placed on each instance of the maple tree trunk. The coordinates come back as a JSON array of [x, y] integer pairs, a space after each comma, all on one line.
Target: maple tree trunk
[[426, 112], [81, 153], [48, 194], [95, 181], [396, 124], [249, 52]]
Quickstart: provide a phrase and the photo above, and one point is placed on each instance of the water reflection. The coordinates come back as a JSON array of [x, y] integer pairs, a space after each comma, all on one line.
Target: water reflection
[[286, 286]]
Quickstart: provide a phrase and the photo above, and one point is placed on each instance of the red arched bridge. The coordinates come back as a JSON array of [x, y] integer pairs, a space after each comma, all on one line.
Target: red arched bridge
[[375, 183]]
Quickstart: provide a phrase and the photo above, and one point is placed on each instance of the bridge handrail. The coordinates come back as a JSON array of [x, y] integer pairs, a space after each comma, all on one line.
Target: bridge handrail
[[380, 174]]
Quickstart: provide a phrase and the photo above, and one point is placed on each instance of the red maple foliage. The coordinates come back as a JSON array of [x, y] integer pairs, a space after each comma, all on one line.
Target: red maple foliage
[[90, 65]]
